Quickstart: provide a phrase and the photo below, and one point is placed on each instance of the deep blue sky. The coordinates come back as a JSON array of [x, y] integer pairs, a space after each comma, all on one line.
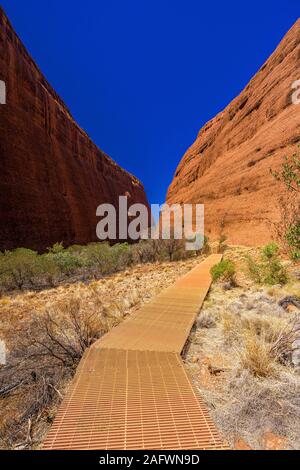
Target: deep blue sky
[[142, 76]]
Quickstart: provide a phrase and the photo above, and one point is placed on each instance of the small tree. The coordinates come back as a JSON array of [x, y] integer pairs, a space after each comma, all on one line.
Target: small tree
[[293, 240], [290, 172], [290, 176], [20, 266], [270, 270], [50, 271], [66, 262], [101, 256]]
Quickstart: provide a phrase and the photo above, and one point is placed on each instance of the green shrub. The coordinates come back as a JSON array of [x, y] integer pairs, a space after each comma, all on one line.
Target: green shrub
[[224, 271], [276, 273], [295, 255], [254, 269], [270, 251], [56, 248], [76, 249], [269, 270], [121, 255], [66, 261], [293, 239], [24, 268], [100, 255], [49, 270], [290, 172], [19, 267]]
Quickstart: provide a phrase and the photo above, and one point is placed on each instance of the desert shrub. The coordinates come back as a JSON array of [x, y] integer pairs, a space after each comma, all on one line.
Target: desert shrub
[[76, 249], [146, 251], [67, 332], [289, 175], [293, 240], [275, 273], [269, 270], [270, 251], [106, 258], [49, 270], [224, 271], [255, 270], [60, 259], [19, 267], [56, 248], [174, 249], [25, 268], [44, 356], [66, 261], [121, 255], [99, 255]]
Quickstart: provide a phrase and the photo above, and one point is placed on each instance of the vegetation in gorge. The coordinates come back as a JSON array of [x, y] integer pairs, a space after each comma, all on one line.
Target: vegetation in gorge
[[24, 268], [289, 175], [240, 352]]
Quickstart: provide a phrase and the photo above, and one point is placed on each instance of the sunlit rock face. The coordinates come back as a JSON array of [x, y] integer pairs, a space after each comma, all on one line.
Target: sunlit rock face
[[228, 166], [53, 177]]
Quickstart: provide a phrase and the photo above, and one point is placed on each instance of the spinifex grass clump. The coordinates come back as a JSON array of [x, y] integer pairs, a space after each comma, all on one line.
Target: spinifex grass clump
[[256, 355]]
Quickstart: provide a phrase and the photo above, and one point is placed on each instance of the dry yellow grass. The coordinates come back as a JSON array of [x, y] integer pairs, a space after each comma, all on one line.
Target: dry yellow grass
[[255, 355], [229, 325]]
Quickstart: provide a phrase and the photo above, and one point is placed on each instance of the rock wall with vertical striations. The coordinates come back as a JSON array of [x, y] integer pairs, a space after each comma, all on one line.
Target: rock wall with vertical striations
[[228, 166], [52, 175]]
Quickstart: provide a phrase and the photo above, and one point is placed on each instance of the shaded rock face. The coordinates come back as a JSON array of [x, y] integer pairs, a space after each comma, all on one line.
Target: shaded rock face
[[228, 166], [52, 175]]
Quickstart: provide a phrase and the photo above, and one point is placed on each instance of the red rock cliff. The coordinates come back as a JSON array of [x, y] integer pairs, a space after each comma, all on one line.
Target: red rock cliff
[[228, 166], [52, 175]]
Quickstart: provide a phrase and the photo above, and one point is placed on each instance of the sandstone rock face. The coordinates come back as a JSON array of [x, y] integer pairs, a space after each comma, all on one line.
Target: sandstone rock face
[[228, 166], [52, 175]]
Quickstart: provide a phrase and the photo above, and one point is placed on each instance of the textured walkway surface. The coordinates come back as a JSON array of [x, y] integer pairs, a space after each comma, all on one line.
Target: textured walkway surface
[[131, 390]]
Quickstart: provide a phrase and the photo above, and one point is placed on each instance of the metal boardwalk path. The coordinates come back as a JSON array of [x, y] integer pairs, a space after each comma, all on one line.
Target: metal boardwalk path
[[131, 390]]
